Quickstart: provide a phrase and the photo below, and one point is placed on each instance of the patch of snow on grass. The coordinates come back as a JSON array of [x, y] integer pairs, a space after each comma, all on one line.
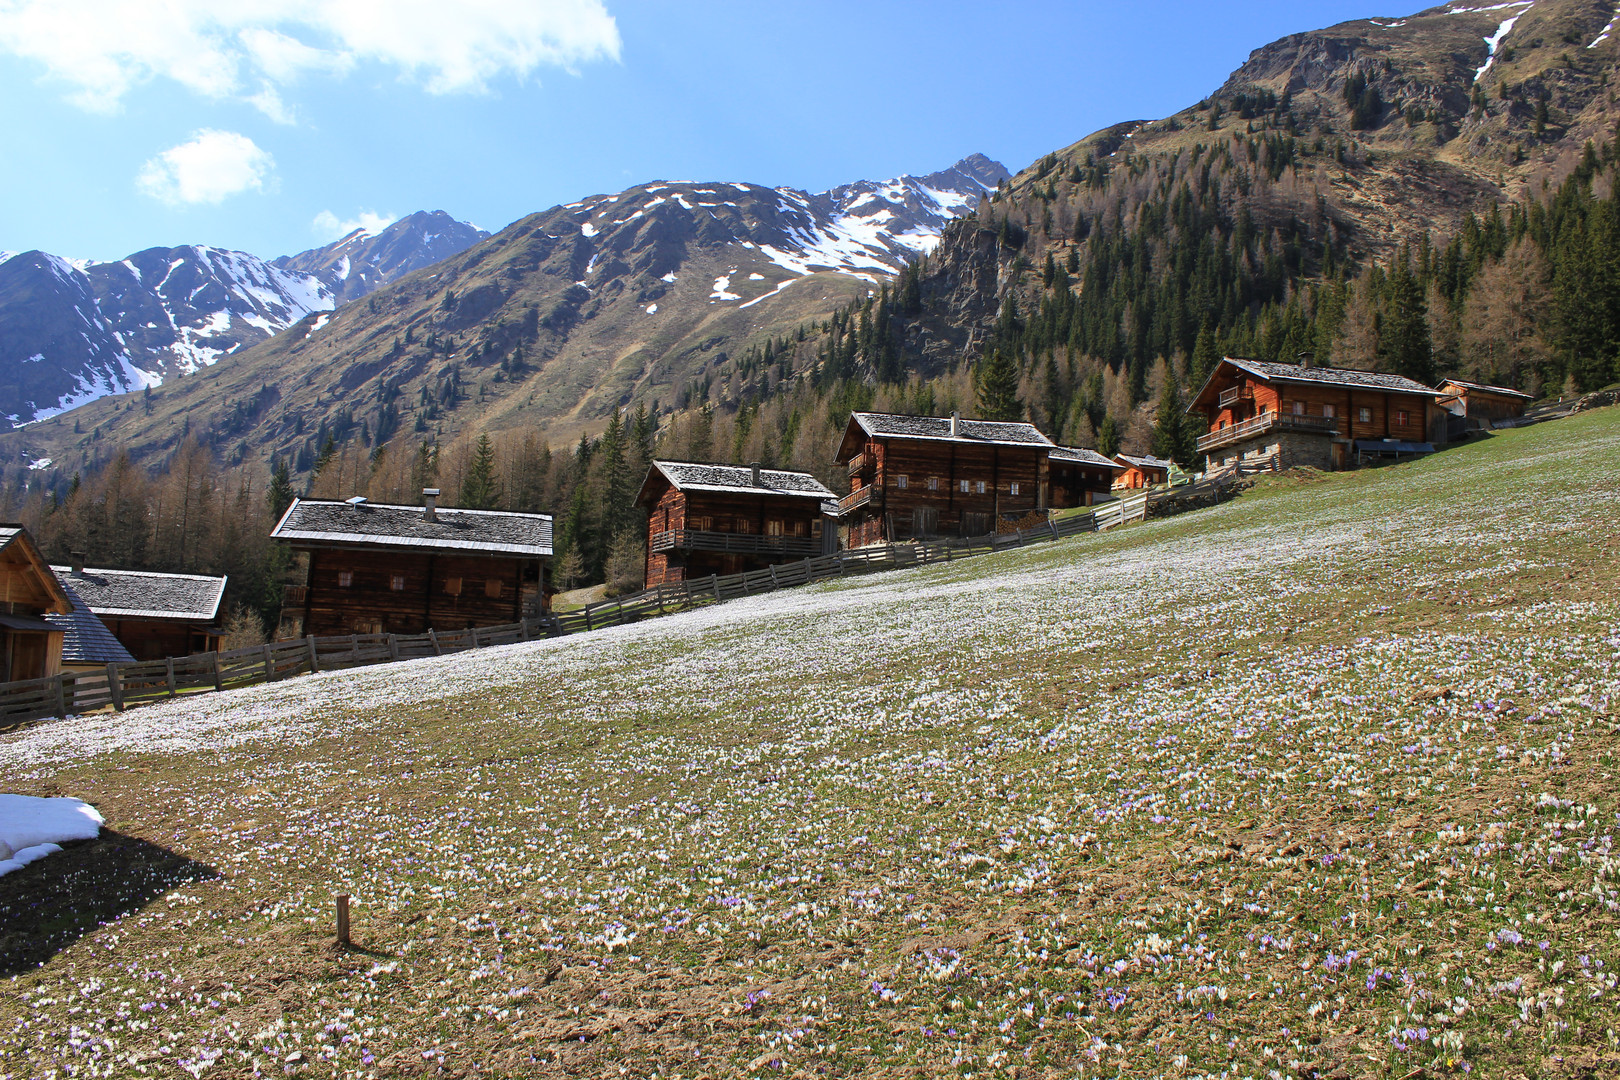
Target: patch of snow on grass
[[587, 230], [652, 309], [32, 828], [721, 287], [1600, 39], [1493, 42]]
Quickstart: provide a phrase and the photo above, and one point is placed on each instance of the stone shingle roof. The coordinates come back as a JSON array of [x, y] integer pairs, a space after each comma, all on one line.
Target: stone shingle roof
[[1367, 380], [1486, 388], [1084, 457], [85, 638], [689, 476], [382, 525], [139, 594], [890, 425], [1144, 461]]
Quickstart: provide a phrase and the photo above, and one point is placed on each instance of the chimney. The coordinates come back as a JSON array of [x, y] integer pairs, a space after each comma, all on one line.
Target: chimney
[[78, 563], [1306, 360], [754, 469], [430, 501], [956, 425]]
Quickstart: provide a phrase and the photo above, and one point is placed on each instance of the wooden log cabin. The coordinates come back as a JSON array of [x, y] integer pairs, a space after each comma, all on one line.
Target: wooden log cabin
[[377, 568], [30, 647], [726, 519], [154, 616], [1482, 403], [87, 644], [1076, 477], [1302, 415], [915, 477], [1138, 471]]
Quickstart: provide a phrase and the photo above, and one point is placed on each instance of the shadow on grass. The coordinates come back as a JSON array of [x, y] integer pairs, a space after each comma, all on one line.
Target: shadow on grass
[[52, 903]]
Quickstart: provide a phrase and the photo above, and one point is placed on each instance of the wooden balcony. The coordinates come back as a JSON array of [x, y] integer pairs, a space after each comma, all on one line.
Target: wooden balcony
[[855, 499], [1264, 423], [858, 464], [1233, 394], [734, 543]]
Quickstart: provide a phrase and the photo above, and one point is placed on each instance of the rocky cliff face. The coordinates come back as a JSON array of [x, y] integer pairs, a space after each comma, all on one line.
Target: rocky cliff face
[[363, 261]]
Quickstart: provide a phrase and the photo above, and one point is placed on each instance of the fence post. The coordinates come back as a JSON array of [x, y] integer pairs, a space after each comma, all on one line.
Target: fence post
[[475, 642], [314, 661], [61, 696], [393, 646], [168, 674], [269, 666], [219, 679], [588, 626], [433, 636], [774, 582], [354, 648], [115, 687]]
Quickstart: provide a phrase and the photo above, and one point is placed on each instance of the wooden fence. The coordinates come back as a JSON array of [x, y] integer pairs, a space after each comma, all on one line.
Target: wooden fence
[[126, 685]]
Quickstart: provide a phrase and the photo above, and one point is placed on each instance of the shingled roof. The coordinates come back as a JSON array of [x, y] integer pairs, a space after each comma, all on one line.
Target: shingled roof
[[85, 638], [382, 525], [1299, 373], [1084, 457], [1144, 461], [938, 428], [693, 476], [141, 594], [1486, 388]]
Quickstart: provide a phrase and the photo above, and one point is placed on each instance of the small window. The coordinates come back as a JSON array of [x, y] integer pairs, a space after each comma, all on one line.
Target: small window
[[933, 483], [1400, 417], [964, 486], [978, 487], [773, 527], [397, 583], [1364, 414], [492, 588], [1327, 411], [745, 525], [1012, 488], [345, 579], [452, 586], [901, 480], [702, 524], [1299, 408]]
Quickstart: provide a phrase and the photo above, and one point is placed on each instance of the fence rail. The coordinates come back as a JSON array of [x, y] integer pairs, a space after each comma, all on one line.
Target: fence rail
[[127, 685]]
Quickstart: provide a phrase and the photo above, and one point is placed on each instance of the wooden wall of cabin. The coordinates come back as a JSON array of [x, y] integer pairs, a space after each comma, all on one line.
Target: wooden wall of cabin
[[1362, 414], [1014, 483], [411, 592], [1491, 406], [1072, 485], [735, 513], [153, 639]]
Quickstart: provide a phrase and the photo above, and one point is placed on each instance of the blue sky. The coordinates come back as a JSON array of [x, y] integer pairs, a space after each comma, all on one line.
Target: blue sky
[[268, 131]]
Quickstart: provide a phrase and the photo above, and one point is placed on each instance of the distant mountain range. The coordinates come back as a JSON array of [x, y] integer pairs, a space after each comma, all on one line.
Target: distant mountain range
[[550, 323], [74, 331]]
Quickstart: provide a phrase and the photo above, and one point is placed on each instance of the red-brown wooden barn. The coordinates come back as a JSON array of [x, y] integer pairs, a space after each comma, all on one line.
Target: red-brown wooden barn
[[377, 568], [1302, 415], [914, 477], [30, 646], [726, 519], [1480, 402], [1140, 471]]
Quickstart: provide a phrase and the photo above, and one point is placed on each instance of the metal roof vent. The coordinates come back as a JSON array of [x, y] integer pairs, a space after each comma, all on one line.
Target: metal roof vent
[[956, 425], [357, 502], [430, 502]]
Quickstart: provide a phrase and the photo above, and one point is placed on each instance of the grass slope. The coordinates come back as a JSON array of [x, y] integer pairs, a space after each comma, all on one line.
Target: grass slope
[[1321, 779]]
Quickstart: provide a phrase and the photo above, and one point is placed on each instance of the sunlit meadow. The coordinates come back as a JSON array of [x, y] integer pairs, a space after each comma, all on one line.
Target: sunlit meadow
[[1320, 782]]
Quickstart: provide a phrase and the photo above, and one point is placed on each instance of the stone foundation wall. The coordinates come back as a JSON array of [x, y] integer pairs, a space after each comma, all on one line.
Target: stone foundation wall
[[1293, 450]]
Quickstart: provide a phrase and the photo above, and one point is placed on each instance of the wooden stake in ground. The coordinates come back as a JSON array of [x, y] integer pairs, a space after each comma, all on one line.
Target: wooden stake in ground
[[343, 918]]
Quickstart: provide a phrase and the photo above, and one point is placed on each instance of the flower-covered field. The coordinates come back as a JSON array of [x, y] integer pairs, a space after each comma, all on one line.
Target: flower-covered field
[[1321, 782]]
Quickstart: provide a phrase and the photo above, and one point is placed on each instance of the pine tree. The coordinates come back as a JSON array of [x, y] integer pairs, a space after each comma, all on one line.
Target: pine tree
[[481, 490], [1169, 424], [996, 386], [280, 495], [1404, 344], [1108, 437]]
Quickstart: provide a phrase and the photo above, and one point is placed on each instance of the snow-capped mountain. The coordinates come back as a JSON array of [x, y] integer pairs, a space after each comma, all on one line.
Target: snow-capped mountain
[[72, 331], [364, 260]]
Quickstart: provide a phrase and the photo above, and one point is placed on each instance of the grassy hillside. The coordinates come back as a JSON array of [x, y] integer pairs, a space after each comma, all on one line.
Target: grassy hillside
[[1323, 778]]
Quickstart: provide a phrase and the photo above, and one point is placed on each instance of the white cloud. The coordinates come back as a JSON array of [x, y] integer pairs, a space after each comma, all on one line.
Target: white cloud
[[328, 226], [210, 167], [101, 49]]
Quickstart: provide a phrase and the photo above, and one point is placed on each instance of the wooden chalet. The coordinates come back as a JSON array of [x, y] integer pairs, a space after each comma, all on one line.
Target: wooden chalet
[[1477, 401], [726, 519], [913, 477], [1302, 415], [30, 646], [1140, 471], [1076, 477], [376, 568], [154, 616], [87, 644]]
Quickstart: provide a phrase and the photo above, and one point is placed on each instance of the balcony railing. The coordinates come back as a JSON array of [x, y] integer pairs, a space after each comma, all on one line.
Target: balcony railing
[[1233, 394], [858, 464], [1269, 421], [857, 498], [735, 543]]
